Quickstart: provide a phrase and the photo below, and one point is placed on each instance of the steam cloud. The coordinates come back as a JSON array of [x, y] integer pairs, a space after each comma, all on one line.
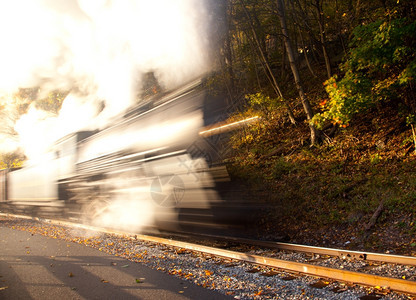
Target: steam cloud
[[97, 50]]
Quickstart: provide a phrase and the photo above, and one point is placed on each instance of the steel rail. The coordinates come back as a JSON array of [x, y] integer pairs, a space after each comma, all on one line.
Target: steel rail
[[369, 256], [400, 285]]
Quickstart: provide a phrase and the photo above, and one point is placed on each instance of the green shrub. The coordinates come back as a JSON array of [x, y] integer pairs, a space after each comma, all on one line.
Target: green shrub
[[380, 68]]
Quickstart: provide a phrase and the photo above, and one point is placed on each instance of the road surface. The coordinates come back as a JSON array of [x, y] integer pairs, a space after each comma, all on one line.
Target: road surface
[[38, 267]]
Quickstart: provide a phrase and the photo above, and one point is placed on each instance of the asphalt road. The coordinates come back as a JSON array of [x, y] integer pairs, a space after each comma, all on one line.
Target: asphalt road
[[38, 267]]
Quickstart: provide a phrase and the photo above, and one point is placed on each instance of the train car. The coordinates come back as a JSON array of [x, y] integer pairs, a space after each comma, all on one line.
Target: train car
[[36, 186], [142, 163], [3, 186], [150, 167]]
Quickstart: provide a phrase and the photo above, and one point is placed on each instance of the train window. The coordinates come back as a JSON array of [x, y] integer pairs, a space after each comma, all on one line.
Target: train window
[[150, 86]]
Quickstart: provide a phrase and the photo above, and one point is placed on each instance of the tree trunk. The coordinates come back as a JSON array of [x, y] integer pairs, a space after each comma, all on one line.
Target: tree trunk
[[290, 55], [283, 68], [312, 39], [267, 66], [320, 19], [305, 53], [228, 57]]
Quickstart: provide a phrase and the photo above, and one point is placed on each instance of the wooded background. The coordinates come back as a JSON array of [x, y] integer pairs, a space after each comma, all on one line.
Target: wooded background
[[332, 59]]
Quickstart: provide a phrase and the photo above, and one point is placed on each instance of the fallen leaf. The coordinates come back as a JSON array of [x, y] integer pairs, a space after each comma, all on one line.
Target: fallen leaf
[[3, 288]]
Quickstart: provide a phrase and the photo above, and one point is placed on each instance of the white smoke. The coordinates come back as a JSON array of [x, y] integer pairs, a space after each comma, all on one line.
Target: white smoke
[[97, 50]]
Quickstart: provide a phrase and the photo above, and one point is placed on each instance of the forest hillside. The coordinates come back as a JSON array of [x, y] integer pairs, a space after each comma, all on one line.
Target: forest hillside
[[334, 150]]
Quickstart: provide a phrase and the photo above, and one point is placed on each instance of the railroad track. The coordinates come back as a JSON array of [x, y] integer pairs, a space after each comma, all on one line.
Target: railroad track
[[360, 278], [343, 253]]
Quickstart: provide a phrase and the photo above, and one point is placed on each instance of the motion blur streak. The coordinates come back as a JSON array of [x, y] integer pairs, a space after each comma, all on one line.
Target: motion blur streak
[[147, 136], [221, 128]]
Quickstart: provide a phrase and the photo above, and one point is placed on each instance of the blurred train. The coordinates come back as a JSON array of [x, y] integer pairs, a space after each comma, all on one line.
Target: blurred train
[[157, 164]]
